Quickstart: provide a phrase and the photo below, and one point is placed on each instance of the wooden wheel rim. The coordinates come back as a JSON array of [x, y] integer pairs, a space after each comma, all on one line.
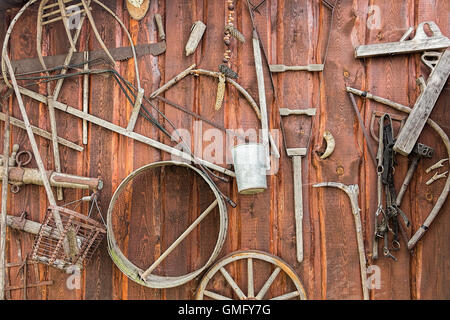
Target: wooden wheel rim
[[251, 254], [131, 270]]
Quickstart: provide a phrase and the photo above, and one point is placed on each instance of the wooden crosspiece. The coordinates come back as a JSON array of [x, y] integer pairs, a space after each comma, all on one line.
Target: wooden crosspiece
[[250, 256], [197, 221]]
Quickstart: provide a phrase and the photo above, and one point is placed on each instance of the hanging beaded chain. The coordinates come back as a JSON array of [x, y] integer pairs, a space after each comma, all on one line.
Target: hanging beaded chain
[[224, 69], [226, 38]]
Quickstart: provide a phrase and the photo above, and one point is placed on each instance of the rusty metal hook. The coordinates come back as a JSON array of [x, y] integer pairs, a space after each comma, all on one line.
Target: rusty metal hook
[[28, 158]]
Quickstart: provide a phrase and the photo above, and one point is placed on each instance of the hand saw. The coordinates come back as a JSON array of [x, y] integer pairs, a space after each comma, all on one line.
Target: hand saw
[[119, 54]]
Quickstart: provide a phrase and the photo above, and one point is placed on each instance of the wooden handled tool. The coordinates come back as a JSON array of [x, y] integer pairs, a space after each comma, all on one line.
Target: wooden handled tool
[[297, 154], [283, 68], [287, 112], [159, 24], [352, 192], [20, 176]]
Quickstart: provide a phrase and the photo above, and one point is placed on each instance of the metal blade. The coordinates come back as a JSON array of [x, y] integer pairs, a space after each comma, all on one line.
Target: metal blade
[[119, 54]]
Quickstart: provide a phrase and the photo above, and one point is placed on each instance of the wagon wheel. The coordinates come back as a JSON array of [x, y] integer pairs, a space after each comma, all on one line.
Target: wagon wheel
[[250, 256]]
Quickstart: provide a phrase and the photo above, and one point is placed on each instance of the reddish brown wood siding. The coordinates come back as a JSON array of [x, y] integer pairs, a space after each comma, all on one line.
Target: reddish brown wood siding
[[293, 32]]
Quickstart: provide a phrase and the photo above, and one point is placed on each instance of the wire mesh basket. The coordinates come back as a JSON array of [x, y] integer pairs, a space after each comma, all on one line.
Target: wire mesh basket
[[66, 238]]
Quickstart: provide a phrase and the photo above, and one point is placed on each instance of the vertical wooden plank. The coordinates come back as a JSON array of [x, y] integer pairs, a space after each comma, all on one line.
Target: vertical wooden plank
[[389, 77], [340, 274], [179, 16], [429, 275], [102, 279], [145, 229], [296, 26]]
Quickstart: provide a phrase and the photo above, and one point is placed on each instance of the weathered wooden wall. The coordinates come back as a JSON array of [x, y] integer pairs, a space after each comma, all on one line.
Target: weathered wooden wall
[[293, 33]]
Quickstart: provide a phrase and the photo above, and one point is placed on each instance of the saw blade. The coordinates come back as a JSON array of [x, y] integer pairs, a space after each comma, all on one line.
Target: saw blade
[[119, 54]]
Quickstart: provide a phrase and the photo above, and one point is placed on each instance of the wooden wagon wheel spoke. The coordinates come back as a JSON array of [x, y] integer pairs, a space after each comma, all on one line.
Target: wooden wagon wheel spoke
[[287, 296], [250, 284], [249, 257], [268, 283], [233, 284], [197, 221], [215, 296]]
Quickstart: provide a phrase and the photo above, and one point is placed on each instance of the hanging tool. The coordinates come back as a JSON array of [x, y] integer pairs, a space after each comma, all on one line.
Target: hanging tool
[[391, 210], [379, 114], [419, 151], [32, 65], [353, 191], [261, 93], [287, 112], [296, 154], [423, 106], [430, 91], [160, 26], [421, 42], [283, 68]]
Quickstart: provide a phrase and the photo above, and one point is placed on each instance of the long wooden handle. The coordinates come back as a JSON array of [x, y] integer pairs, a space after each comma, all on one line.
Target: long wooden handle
[[362, 256], [159, 24], [261, 95], [56, 179], [298, 205], [4, 207]]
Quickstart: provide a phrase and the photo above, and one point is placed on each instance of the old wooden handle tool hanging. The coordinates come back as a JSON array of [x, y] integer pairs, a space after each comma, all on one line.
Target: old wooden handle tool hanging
[[415, 123], [421, 42], [283, 68], [409, 134], [353, 191], [19, 176], [287, 112], [296, 154]]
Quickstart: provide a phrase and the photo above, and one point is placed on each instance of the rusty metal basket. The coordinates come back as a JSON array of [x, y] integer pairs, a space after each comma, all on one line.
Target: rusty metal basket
[[48, 246]]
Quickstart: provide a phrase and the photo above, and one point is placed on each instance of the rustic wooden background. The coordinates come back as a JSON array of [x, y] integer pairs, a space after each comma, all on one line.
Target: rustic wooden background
[[293, 33]]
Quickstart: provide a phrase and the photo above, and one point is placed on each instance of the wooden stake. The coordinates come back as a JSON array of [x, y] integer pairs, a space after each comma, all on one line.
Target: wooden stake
[[4, 208], [85, 96]]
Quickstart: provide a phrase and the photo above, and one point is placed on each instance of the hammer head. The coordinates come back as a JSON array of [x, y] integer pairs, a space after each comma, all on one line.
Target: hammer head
[[422, 150], [292, 152]]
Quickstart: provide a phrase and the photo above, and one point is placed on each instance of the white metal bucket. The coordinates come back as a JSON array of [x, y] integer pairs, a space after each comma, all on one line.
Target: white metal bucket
[[250, 167]]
